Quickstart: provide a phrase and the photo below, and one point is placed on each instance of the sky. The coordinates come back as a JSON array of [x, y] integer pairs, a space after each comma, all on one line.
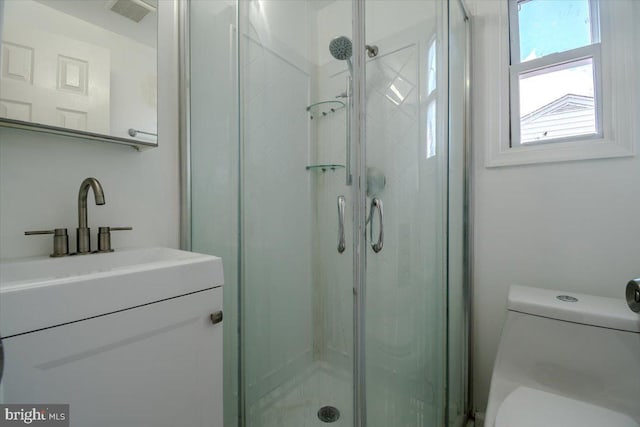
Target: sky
[[549, 26]]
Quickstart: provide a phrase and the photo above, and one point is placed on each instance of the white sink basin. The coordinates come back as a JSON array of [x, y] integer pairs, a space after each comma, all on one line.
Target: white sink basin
[[32, 271], [37, 293]]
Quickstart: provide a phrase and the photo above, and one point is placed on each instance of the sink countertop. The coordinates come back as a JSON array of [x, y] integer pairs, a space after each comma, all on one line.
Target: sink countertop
[[41, 292]]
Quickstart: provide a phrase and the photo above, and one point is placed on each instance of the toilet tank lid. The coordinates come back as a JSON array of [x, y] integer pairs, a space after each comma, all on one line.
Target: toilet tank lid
[[528, 407], [591, 310]]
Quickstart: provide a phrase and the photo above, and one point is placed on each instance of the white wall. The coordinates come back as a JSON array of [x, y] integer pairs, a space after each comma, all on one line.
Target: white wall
[[40, 175], [286, 26], [571, 226]]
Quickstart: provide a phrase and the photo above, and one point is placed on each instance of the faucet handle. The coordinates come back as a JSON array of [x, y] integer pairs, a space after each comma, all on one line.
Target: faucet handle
[[34, 232], [104, 237], [60, 240]]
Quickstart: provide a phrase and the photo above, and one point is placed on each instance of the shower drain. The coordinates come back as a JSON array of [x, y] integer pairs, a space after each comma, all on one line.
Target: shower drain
[[328, 414]]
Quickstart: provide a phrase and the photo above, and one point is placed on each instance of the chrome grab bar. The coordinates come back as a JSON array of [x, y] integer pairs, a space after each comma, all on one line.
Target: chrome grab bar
[[341, 205], [376, 204]]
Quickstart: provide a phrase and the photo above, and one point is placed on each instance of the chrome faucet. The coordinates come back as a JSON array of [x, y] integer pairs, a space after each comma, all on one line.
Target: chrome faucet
[[83, 236]]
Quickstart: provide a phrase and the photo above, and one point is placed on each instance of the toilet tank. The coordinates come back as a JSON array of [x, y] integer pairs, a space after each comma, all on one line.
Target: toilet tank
[[579, 346]]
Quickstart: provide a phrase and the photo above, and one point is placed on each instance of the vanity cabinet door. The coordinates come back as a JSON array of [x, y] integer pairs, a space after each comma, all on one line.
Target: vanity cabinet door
[[155, 365]]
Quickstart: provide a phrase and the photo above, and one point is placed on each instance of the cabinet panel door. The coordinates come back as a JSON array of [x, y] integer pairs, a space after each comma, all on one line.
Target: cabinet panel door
[[155, 365]]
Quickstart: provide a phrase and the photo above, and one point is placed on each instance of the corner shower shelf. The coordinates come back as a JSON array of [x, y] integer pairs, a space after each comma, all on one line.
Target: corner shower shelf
[[324, 168], [324, 108]]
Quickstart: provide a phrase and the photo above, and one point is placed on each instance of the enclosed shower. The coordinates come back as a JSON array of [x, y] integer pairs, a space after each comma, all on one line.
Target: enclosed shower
[[324, 158]]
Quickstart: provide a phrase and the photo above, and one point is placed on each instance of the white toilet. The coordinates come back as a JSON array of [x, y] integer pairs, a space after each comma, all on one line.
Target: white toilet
[[566, 360]]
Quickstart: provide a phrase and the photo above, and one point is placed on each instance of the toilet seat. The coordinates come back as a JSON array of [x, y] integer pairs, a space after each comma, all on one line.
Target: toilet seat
[[528, 407]]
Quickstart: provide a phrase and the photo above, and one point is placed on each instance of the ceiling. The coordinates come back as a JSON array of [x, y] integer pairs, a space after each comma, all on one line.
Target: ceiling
[[97, 12]]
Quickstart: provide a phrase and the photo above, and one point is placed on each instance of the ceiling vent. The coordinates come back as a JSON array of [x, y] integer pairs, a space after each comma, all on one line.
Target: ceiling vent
[[132, 9]]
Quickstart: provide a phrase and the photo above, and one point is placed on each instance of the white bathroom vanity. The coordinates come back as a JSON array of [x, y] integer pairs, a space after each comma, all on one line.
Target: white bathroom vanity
[[130, 338]]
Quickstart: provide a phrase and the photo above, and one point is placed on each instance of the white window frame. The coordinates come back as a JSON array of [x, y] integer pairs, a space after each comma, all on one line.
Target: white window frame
[[548, 63], [618, 82]]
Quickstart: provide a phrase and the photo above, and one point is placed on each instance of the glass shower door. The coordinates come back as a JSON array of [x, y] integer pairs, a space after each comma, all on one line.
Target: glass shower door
[[406, 152], [272, 95], [296, 286]]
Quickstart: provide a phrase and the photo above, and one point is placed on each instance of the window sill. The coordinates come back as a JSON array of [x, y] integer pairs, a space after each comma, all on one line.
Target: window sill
[[558, 152]]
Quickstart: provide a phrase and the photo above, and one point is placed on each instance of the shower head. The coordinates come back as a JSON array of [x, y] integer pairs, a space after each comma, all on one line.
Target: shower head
[[341, 48]]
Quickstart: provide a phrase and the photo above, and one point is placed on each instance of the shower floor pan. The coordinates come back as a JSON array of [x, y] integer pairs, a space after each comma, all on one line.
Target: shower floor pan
[[297, 402]]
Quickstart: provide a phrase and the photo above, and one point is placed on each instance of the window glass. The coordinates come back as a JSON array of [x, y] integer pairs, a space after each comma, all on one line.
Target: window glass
[[557, 102], [431, 68], [550, 26], [431, 129]]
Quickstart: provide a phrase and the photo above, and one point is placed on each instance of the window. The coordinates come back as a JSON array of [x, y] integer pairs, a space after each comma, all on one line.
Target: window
[[596, 42], [554, 72]]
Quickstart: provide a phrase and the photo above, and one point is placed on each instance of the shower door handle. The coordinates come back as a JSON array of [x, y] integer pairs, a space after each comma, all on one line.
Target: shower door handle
[[341, 205], [376, 204]]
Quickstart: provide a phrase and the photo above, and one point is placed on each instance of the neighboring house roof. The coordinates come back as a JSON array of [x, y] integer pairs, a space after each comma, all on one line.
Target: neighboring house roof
[[568, 115]]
